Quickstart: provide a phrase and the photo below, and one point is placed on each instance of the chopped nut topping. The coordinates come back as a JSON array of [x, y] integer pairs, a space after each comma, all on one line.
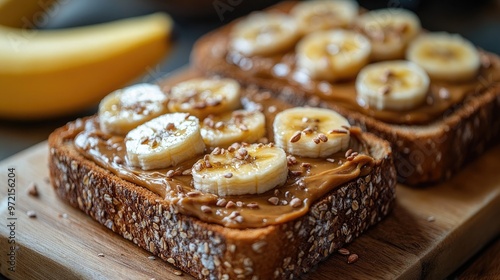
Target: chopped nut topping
[[444, 93], [206, 209], [253, 205], [296, 202], [344, 251], [33, 189], [170, 173], [348, 153], [219, 125], [352, 258], [322, 137], [170, 126], [295, 172], [291, 160], [305, 165], [230, 204], [337, 131], [274, 200], [385, 90], [243, 127], [31, 213], [332, 160], [296, 137], [316, 140], [221, 202], [228, 175], [193, 194]]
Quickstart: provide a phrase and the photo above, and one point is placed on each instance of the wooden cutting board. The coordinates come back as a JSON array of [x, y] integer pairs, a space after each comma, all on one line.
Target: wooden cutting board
[[430, 233]]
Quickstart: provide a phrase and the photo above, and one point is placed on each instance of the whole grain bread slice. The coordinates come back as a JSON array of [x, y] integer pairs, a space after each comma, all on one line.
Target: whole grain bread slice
[[423, 154], [211, 251]]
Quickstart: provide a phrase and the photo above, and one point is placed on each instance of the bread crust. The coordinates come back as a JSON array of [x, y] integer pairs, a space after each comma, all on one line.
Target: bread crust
[[210, 251], [423, 154]]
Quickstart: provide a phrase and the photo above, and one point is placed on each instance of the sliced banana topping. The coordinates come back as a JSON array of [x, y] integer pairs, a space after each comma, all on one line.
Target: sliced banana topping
[[241, 169], [392, 85], [389, 30], [332, 55], [164, 141], [237, 126], [202, 97], [311, 132], [264, 34], [324, 14], [125, 109], [445, 56]]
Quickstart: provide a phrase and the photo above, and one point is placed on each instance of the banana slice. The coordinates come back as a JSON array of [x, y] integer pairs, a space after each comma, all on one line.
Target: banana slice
[[393, 85], [332, 55], [202, 97], [242, 169], [231, 127], [164, 141], [264, 34], [322, 15], [125, 109], [389, 30], [445, 56], [311, 132]]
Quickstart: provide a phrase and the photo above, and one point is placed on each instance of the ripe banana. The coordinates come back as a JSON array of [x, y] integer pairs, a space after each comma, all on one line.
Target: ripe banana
[[202, 97], [393, 85], [237, 126], [445, 56], [311, 132], [164, 141], [322, 15], [389, 30], [264, 34], [125, 109], [333, 55], [15, 13], [244, 169], [51, 73]]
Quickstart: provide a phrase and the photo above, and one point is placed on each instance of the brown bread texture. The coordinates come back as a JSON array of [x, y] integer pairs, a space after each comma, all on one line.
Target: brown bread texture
[[210, 251], [423, 154]]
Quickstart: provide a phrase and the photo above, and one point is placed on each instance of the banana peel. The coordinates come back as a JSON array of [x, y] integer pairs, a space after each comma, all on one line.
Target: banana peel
[[51, 73]]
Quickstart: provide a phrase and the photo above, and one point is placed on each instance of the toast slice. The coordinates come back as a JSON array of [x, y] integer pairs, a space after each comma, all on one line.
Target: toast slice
[[211, 251], [424, 152]]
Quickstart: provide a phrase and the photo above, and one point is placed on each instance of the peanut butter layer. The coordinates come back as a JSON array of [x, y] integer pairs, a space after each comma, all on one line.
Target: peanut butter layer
[[308, 179], [441, 98]]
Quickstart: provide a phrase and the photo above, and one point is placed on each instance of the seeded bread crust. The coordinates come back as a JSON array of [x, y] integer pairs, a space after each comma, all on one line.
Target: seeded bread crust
[[210, 251], [423, 154]]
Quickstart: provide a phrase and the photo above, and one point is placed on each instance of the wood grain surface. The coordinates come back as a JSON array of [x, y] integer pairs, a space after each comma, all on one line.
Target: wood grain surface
[[430, 233]]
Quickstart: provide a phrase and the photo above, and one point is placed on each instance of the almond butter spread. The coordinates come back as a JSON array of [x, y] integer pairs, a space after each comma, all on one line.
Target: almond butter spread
[[281, 68], [308, 179]]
